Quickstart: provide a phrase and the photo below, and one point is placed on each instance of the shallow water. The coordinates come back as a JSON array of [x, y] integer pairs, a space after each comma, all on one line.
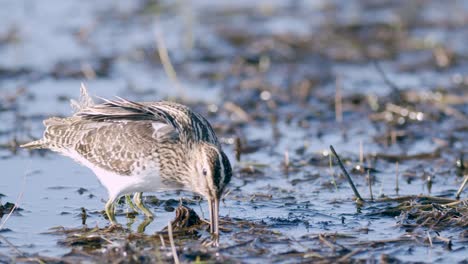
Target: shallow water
[[281, 64]]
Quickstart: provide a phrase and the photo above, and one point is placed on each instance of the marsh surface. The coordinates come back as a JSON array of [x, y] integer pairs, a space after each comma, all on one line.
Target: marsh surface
[[384, 82]]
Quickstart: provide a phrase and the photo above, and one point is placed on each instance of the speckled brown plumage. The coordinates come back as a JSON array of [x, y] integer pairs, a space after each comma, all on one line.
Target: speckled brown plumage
[[139, 147]]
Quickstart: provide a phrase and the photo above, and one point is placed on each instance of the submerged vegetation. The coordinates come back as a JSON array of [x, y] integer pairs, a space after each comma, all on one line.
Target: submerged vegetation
[[383, 82]]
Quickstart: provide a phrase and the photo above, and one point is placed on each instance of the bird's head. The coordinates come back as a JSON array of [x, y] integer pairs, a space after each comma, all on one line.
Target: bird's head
[[212, 171]]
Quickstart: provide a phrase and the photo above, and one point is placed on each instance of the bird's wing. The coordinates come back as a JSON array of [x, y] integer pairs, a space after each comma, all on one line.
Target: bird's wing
[[190, 125], [110, 145]]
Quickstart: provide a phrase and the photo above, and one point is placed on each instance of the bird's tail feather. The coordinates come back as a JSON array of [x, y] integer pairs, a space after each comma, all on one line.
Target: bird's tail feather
[[52, 124], [37, 144], [84, 102]]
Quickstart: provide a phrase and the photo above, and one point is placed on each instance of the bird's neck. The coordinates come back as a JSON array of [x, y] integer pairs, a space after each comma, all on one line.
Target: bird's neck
[[176, 166]]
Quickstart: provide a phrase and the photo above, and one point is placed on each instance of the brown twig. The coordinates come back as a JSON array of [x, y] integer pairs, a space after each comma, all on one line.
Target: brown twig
[[397, 188], [370, 185], [326, 242], [462, 186], [163, 244], [425, 198], [346, 257], [429, 238], [445, 240]]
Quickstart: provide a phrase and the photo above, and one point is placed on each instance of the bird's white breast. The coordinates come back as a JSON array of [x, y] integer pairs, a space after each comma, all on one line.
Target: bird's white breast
[[142, 179]]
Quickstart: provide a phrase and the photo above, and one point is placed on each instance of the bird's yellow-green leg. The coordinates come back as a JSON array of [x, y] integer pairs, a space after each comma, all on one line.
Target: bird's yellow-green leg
[[141, 228], [139, 203], [110, 211], [130, 203]]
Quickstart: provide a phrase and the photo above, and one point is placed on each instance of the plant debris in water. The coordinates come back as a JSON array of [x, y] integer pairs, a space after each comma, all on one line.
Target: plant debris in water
[[383, 82]]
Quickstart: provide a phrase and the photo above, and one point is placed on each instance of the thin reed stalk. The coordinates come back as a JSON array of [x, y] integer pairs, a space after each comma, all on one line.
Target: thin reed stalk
[[350, 180]]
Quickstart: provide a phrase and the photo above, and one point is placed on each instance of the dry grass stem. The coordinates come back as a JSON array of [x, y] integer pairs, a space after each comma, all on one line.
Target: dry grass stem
[[361, 153], [397, 188], [338, 101], [369, 180], [462, 186], [171, 239], [166, 62]]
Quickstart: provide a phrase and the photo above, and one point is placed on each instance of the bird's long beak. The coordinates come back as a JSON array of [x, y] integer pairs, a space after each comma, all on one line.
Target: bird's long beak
[[214, 215]]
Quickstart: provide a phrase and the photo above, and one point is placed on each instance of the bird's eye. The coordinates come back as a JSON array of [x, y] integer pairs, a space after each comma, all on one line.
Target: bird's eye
[[204, 172]]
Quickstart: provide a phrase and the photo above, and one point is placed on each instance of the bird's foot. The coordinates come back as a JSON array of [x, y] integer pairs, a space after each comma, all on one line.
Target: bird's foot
[[114, 227], [214, 242]]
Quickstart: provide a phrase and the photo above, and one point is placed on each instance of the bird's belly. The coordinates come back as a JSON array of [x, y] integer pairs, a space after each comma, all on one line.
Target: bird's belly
[[147, 179], [140, 180], [144, 179]]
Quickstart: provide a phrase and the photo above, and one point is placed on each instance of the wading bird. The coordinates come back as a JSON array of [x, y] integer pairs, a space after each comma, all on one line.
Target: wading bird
[[136, 147]]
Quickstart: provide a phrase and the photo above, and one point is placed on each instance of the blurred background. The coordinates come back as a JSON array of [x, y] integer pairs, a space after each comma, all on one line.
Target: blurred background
[[382, 81]]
